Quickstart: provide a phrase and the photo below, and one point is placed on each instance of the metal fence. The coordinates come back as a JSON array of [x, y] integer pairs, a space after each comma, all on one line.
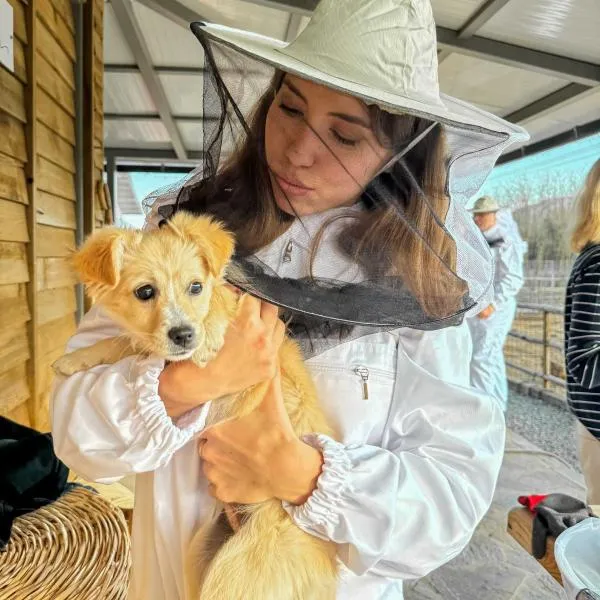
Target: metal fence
[[534, 348]]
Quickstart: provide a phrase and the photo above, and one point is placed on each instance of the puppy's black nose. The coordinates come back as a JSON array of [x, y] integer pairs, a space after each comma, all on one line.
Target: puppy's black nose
[[182, 336]]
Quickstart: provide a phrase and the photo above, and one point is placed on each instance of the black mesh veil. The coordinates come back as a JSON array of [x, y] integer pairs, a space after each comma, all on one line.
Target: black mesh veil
[[401, 251]]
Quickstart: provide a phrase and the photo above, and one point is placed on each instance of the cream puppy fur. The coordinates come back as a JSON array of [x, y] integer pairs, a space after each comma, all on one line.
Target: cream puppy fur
[[167, 289]]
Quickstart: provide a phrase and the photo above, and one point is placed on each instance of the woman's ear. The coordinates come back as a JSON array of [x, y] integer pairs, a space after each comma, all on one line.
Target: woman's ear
[[100, 259], [215, 244]]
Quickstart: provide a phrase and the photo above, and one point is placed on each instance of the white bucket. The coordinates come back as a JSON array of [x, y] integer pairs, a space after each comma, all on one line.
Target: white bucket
[[577, 553]]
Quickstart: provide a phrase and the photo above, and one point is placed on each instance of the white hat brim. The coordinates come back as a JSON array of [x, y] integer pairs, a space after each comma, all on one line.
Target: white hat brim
[[450, 110]]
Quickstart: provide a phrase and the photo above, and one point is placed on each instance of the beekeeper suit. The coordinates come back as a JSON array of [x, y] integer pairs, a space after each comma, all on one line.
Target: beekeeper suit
[[491, 326]]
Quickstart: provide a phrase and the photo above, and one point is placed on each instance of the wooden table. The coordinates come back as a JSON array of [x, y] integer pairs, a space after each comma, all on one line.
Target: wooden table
[[520, 524]]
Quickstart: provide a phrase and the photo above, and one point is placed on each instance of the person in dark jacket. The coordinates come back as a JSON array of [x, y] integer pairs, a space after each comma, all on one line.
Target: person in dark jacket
[[582, 331]]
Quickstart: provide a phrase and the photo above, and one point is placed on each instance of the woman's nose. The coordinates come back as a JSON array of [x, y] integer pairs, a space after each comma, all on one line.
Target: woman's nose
[[303, 146]]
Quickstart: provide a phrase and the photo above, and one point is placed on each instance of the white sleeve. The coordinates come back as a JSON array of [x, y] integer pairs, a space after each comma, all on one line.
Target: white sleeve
[[109, 421], [409, 506], [510, 267]]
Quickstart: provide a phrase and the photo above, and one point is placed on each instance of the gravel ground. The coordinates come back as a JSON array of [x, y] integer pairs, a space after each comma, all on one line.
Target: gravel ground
[[549, 426]]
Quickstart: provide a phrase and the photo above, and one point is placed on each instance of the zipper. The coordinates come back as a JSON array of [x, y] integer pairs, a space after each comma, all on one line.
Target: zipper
[[287, 255], [363, 373]]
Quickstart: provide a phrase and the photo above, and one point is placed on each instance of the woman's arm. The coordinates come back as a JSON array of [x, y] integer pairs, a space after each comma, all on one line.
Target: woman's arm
[[583, 344], [110, 421], [409, 506]]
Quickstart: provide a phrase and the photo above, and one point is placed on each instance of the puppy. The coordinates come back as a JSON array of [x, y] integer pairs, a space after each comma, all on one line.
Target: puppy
[[167, 289]]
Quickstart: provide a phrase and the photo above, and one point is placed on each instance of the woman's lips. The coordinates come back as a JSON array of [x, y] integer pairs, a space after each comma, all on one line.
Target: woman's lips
[[291, 187]]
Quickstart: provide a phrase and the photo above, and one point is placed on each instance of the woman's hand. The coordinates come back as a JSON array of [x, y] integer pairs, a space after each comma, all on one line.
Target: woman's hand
[[248, 356], [258, 456]]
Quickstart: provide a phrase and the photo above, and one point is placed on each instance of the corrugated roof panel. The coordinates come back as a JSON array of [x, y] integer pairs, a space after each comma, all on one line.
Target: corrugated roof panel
[[245, 15], [498, 88], [454, 13], [564, 27], [169, 44], [135, 134], [116, 48], [127, 93], [185, 92]]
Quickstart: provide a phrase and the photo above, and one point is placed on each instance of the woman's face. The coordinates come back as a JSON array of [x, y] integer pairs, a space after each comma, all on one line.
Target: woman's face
[[320, 148]]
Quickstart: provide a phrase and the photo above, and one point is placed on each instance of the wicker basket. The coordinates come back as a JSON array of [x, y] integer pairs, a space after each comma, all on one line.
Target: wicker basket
[[76, 548]]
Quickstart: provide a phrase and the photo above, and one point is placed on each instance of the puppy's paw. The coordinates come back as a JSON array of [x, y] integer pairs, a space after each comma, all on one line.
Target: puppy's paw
[[68, 365]]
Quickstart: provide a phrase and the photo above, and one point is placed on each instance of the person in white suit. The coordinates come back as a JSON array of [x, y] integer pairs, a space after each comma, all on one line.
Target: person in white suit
[[341, 178], [490, 327]]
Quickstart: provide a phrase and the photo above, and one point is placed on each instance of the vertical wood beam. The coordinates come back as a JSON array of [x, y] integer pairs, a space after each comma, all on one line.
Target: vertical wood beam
[[36, 412]]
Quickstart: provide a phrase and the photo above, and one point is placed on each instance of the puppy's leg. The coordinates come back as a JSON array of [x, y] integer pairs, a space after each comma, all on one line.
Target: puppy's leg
[[105, 352]]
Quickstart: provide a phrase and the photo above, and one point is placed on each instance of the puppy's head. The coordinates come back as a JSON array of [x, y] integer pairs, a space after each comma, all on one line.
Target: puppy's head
[[166, 287]]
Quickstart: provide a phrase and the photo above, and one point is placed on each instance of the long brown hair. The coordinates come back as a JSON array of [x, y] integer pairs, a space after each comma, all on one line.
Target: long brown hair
[[242, 197], [586, 229]]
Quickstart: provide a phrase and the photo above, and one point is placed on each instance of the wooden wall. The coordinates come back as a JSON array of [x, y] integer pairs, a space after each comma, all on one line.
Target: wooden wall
[[37, 198]]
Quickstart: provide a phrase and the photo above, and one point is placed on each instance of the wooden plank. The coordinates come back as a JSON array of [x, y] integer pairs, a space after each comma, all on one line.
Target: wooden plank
[[13, 222], [55, 180], [55, 55], [520, 524], [55, 211], [55, 148], [12, 96], [12, 182], [65, 10], [13, 263], [46, 372], [55, 86], [14, 348], [54, 335], [12, 134], [55, 273], [55, 23], [55, 117], [98, 158], [10, 291], [15, 390], [19, 59], [55, 304], [13, 312], [19, 20], [20, 415], [54, 242]]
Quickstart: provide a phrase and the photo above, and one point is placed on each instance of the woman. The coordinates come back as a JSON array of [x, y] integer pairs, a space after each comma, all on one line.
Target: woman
[[344, 191], [582, 331]]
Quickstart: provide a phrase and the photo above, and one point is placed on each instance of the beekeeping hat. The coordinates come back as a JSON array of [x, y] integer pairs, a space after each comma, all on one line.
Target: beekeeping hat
[[384, 53], [485, 204]]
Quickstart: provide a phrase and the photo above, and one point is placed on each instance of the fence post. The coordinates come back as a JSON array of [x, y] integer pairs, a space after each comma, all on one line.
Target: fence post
[[546, 336]]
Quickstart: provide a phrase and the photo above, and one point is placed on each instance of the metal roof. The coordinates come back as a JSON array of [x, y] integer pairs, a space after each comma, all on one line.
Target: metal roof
[[536, 63]]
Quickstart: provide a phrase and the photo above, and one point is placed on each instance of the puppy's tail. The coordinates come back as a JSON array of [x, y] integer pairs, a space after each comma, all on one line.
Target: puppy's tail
[[270, 558]]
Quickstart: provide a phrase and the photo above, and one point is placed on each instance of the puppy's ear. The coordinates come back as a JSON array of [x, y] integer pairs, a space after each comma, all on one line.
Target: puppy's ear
[[99, 260], [214, 242]]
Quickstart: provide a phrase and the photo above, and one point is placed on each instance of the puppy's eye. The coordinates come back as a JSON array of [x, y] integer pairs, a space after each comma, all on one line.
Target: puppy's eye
[[145, 292], [195, 288]]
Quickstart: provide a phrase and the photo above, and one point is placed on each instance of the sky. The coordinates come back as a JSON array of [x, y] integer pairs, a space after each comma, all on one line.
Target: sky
[[554, 173]]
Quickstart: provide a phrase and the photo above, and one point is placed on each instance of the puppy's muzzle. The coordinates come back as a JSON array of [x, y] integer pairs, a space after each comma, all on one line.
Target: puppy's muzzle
[[184, 337]]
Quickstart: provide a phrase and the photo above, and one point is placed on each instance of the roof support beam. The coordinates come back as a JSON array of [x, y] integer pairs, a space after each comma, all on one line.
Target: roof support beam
[[480, 17], [154, 117], [119, 68], [133, 34], [550, 102], [302, 7], [571, 135], [516, 56], [149, 154]]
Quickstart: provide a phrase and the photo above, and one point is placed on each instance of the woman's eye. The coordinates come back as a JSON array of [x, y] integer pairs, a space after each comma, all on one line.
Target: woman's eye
[[145, 292], [293, 112], [195, 288], [342, 140]]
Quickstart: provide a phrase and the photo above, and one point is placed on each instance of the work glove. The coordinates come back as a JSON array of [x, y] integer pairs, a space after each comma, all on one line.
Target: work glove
[[553, 515]]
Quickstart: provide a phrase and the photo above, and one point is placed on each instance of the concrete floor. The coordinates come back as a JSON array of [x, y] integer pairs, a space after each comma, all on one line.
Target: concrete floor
[[494, 566]]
